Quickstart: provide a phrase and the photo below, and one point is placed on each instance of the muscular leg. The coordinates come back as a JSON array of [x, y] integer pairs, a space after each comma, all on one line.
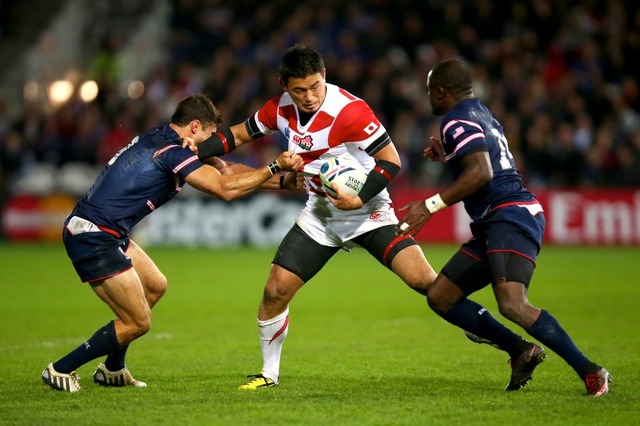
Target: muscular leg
[[412, 267], [124, 295], [448, 299], [400, 254], [281, 286], [540, 324], [289, 272], [154, 285]]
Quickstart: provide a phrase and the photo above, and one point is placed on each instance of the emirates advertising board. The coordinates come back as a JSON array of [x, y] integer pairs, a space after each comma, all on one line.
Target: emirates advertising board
[[574, 217]]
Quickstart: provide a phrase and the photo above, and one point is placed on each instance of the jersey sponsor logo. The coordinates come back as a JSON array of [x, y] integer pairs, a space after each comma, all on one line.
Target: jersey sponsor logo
[[304, 142], [371, 128]]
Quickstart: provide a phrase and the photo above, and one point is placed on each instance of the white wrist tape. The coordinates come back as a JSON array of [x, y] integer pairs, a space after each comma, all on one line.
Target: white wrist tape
[[435, 203]]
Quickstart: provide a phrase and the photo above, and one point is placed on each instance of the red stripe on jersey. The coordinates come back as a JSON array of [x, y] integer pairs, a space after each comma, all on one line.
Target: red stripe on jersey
[[347, 94], [308, 157], [268, 114], [163, 150], [185, 163], [109, 231]]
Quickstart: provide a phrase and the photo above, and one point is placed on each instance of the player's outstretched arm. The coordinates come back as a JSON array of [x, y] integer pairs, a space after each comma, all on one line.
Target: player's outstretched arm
[[231, 186], [219, 143], [291, 181], [476, 172]]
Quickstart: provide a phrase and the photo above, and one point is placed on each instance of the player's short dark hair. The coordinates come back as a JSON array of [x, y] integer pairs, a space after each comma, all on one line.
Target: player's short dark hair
[[452, 74], [196, 107], [300, 61]]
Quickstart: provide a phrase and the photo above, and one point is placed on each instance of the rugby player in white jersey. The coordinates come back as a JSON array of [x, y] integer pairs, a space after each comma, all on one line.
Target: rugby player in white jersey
[[321, 120]]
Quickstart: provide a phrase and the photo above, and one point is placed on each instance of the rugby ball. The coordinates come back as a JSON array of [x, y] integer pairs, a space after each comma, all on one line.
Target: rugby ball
[[349, 175]]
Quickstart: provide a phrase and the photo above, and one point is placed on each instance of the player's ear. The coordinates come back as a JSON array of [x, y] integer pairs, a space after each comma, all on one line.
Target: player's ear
[[283, 85], [195, 126]]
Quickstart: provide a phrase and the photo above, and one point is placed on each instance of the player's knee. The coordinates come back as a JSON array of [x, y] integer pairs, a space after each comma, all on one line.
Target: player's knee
[[277, 290], [157, 290], [437, 302], [141, 326], [511, 309]]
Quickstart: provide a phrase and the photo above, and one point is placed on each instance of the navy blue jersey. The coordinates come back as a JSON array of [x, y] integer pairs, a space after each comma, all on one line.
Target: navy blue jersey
[[471, 127], [137, 180]]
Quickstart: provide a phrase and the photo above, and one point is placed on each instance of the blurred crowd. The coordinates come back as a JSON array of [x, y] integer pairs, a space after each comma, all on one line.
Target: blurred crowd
[[561, 76]]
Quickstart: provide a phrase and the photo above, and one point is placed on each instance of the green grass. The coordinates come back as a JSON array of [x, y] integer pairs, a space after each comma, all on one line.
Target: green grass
[[362, 349]]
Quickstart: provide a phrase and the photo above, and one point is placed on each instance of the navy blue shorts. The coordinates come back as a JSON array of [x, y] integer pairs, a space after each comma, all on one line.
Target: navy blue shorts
[[504, 246], [97, 255]]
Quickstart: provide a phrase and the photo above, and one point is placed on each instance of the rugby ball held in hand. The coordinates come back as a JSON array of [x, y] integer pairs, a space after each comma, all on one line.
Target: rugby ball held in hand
[[348, 175]]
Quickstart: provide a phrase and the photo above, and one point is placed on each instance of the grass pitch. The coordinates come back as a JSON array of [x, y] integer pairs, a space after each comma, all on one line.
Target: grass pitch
[[362, 348]]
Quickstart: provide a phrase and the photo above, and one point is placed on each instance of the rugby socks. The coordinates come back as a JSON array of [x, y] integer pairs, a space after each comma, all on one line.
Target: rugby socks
[[272, 334], [103, 342], [548, 331], [115, 360], [474, 318]]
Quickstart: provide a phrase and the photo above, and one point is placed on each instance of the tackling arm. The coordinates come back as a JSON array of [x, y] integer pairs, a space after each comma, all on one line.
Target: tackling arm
[[476, 172], [231, 186]]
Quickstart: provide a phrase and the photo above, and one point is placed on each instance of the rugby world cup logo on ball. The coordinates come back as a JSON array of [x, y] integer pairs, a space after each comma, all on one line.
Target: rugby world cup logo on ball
[[348, 175]]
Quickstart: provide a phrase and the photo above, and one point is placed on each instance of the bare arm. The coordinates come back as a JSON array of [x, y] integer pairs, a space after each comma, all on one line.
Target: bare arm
[[292, 181], [476, 172], [231, 186]]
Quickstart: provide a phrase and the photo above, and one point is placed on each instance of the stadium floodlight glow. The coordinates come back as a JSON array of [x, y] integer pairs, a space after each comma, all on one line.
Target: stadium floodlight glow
[[134, 89], [89, 91], [60, 91]]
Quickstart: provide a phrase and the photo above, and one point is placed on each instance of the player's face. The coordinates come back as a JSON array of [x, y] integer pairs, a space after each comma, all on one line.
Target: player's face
[[307, 93], [204, 133]]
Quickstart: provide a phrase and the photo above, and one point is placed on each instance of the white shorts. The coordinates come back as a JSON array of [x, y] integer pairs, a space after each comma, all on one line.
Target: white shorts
[[333, 227]]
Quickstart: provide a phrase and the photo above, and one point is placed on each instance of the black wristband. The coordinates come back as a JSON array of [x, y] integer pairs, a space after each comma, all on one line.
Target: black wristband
[[281, 181], [274, 168], [219, 143], [378, 179]]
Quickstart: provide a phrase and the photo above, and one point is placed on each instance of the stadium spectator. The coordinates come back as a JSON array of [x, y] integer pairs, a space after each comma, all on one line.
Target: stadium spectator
[[560, 59], [140, 178], [508, 225]]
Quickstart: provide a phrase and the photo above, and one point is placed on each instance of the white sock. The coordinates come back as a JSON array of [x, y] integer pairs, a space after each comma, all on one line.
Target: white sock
[[272, 334]]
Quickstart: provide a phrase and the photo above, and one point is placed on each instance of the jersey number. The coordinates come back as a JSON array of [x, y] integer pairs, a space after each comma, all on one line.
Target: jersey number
[[506, 159], [117, 154]]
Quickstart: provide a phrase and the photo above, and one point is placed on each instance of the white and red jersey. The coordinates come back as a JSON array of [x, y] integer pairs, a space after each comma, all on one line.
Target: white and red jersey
[[344, 126]]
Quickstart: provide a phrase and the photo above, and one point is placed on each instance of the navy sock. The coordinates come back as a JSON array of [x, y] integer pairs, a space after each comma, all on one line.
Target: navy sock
[[115, 360], [548, 331], [474, 318], [103, 342]]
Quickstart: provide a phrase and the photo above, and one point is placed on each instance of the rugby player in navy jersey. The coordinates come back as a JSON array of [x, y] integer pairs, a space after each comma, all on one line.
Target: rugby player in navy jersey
[[140, 178], [507, 227]]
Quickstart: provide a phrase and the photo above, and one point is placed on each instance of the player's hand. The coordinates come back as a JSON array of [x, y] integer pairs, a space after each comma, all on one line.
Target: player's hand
[[417, 216], [290, 162], [435, 150], [344, 201], [190, 143], [294, 182]]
